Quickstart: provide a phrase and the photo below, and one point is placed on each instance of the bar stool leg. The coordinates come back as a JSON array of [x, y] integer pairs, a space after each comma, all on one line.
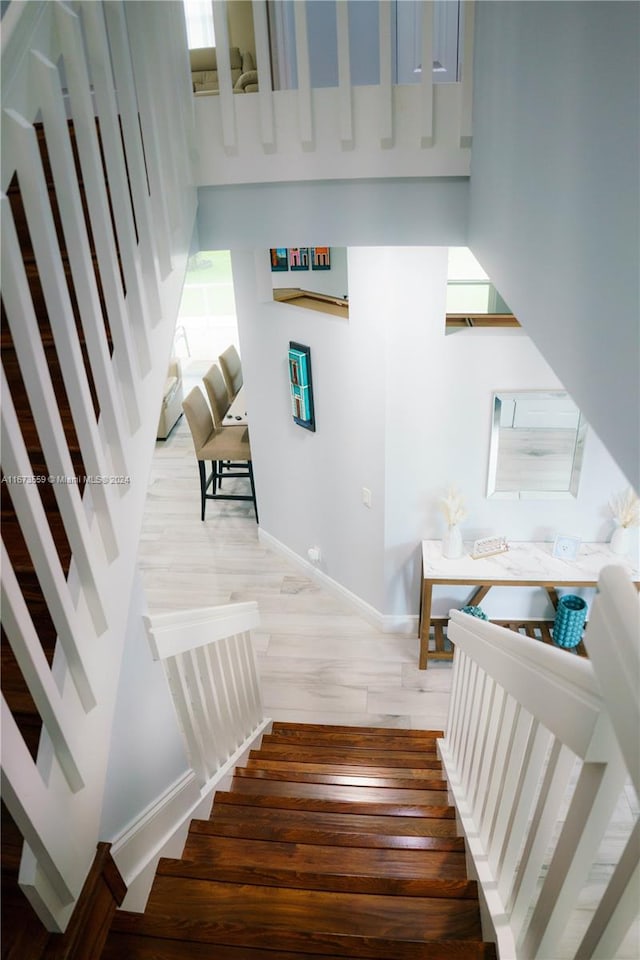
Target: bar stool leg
[[253, 488], [203, 487]]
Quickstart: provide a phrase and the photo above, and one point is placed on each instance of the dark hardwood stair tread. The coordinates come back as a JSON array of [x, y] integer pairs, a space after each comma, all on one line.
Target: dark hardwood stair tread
[[339, 792], [180, 901], [330, 843], [389, 809], [338, 779], [365, 740], [352, 829], [129, 946], [279, 726], [356, 870], [302, 834], [395, 758], [401, 864], [344, 769]]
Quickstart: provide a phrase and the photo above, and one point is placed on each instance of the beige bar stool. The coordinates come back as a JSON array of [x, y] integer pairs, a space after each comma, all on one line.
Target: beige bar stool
[[228, 444]]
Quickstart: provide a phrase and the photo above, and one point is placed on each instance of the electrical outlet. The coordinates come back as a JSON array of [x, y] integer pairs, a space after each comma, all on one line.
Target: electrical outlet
[[366, 496]]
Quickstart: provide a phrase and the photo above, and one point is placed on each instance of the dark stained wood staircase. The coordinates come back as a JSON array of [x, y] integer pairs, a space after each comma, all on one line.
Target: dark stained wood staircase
[[331, 842]]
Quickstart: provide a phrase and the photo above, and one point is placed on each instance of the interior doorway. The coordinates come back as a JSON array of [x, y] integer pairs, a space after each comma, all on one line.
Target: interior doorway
[[207, 322]]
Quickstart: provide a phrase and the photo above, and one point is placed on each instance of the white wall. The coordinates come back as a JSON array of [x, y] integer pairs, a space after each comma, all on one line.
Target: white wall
[[147, 749], [555, 210], [401, 409], [347, 213], [308, 484], [334, 282]]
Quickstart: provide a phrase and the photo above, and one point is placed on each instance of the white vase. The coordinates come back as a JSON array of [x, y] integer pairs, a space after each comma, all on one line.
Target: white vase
[[452, 546], [620, 541]]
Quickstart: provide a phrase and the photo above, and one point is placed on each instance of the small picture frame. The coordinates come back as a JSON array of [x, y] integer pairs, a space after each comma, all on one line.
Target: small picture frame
[[566, 548]]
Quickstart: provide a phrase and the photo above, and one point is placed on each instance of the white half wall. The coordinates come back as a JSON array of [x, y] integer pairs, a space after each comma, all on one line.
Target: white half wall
[[341, 213], [555, 194], [147, 749]]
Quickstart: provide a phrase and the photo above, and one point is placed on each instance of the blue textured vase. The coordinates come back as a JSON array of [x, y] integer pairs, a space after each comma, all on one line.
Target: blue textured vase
[[475, 612], [569, 623]]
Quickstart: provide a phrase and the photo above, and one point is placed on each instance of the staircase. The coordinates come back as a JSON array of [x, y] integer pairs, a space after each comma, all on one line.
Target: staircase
[[331, 842]]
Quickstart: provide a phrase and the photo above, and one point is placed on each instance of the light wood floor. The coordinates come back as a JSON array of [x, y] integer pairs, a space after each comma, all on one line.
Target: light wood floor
[[319, 661]]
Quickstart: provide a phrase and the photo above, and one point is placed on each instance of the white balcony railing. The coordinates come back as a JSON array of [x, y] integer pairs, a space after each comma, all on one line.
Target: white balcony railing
[[351, 129]]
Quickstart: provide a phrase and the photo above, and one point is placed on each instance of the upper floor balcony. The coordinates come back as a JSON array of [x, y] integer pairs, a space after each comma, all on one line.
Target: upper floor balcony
[[333, 89]]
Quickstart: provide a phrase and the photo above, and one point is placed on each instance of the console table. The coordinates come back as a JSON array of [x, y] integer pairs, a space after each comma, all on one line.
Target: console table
[[523, 565]]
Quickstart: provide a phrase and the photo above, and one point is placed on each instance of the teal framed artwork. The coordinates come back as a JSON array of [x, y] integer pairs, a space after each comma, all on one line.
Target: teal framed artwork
[[298, 258], [279, 258], [320, 258], [301, 386]]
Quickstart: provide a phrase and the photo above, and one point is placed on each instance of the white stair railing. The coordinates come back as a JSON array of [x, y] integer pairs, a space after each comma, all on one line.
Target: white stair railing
[[211, 669], [541, 746], [105, 306]]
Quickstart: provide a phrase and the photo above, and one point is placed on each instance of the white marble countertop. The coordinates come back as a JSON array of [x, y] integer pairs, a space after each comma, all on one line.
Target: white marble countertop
[[522, 562]]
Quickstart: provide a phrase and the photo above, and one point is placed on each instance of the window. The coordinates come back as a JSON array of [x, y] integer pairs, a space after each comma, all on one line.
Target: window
[[199, 16]]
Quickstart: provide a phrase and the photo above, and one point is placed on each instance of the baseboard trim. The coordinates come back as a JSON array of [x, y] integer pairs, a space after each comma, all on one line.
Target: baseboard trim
[[161, 829], [385, 623]]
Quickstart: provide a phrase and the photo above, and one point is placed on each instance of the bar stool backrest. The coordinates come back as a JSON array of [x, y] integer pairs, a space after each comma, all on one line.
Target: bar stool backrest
[[219, 399], [199, 418], [231, 367]]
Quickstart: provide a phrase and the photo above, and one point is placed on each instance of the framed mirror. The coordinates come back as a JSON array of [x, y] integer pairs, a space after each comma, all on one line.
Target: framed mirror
[[537, 446]]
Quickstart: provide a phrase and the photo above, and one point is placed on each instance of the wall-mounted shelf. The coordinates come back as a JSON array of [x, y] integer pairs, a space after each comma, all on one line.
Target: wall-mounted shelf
[[321, 302], [496, 320]]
